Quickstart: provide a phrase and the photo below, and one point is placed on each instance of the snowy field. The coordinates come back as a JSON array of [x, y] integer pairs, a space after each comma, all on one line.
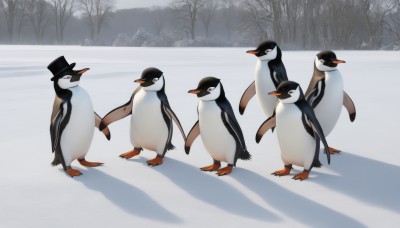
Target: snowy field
[[361, 187]]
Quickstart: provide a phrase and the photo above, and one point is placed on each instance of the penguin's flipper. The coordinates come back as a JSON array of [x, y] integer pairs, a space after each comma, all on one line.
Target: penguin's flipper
[[55, 129], [270, 123], [232, 125], [312, 121], [119, 112], [169, 112], [349, 104], [168, 122], [246, 97], [317, 76], [193, 134], [173, 116], [316, 163], [316, 95], [106, 131], [116, 114]]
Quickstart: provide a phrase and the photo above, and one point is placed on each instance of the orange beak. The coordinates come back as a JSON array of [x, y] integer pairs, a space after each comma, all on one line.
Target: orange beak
[[140, 81], [83, 71], [252, 52], [275, 93], [337, 61], [194, 91]]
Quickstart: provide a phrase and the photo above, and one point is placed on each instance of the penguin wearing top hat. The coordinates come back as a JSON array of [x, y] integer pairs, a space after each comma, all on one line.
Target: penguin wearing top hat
[[73, 119]]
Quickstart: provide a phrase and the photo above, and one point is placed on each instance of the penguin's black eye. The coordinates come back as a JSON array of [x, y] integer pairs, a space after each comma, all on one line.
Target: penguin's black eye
[[155, 79], [291, 92], [268, 50], [210, 89], [322, 61]]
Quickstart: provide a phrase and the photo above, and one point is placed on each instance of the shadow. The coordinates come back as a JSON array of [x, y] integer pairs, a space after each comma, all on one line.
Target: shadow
[[371, 181], [213, 190], [126, 196], [137, 159], [293, 205]]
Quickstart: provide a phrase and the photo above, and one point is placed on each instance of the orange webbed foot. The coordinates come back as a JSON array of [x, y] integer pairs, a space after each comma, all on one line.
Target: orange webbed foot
[[333, 150], [130, 154], [210, 168], [282, 172], [73, 172], [225, 171], [156, 161], [301, 176], [89, 164]]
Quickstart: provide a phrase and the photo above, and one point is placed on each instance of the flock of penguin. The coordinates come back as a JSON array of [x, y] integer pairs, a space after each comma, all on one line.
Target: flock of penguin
[[301, 120]]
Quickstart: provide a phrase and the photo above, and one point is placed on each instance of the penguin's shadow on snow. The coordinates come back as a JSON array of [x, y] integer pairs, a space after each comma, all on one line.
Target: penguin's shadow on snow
[[371, 181], [295, 206], [126, 196], [213, 190]]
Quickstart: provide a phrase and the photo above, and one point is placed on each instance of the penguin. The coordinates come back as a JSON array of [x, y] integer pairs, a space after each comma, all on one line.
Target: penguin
[[298, 130], [218, 127], [151, 120], [270, 72], [325, 93], [73, 119]]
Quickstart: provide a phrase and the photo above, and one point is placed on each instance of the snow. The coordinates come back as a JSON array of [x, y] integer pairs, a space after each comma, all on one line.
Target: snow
[[360, 188]]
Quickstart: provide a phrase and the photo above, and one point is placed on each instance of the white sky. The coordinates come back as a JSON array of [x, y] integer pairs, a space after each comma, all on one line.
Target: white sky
[[127, 4]]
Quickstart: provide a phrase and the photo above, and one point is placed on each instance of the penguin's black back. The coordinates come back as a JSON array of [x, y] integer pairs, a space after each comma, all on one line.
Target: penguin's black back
[[64, 95], [317, 76], [241, 149], [276, 65]]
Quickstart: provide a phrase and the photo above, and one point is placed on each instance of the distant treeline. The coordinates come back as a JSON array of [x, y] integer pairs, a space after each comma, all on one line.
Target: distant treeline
[[294, 24]]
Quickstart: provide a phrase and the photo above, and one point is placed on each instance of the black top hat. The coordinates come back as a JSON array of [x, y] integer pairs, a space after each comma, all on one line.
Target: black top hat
[[59, 66]]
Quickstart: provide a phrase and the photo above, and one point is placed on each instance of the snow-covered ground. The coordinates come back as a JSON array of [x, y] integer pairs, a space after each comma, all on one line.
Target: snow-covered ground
[[360, 188]]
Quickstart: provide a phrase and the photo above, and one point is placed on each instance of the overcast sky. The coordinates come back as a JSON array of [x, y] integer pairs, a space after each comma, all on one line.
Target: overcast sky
[[127, 4]]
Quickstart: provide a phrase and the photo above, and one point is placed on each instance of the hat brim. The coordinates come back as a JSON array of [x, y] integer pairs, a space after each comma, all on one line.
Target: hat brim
[[70, 67]]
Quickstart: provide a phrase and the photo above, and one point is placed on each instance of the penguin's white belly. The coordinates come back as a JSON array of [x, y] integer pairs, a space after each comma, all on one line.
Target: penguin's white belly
[[264, 85], [329, 108], [78, 134], [297, 146], [148, 127], [219, 143]]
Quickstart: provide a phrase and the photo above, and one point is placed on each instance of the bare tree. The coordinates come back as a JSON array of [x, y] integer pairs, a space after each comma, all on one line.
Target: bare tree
[[20, 20], [159, 20], [87, 6], [374, 12], [393, 22], [97, 13], [337, 20], [311, 18], [187, 11], [37, 12], [62, 10], [103, 12], [292, 11], [230, 15], [207, 14], [10, 8], [259, 14]]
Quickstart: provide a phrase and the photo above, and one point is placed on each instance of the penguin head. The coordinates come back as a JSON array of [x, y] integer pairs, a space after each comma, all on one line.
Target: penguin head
[[152, 79], [70, 78], [327, 61], [64, 76], [288, 92], [209, 89], [267, 50]]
